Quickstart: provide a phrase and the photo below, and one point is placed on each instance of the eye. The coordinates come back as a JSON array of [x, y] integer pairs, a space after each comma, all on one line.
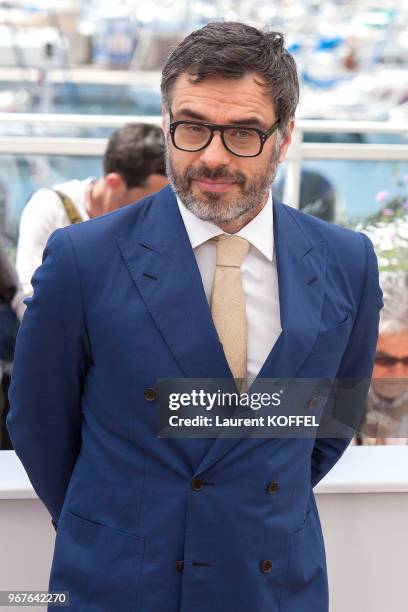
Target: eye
[[385, 360], [194, 129], [242, 134]]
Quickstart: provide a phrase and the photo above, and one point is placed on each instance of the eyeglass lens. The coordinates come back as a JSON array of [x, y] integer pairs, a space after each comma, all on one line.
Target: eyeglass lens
[[390, 360], [193, 137]]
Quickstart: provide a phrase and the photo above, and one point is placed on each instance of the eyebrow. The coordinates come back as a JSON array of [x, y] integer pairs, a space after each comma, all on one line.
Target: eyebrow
[[249, 121]]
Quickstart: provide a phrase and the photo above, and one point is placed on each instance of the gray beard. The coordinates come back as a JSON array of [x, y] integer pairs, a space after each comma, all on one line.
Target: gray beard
[[210, 206], [384, 404]]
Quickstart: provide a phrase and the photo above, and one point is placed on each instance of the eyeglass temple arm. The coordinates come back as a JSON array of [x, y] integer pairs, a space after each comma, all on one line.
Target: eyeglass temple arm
[[273, 128]]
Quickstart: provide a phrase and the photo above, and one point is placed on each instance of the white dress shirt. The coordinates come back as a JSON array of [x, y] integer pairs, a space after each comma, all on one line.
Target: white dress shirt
[[259, 277]]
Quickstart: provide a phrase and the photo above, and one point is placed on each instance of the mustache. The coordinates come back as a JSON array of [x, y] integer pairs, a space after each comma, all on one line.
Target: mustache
[[213, 174]]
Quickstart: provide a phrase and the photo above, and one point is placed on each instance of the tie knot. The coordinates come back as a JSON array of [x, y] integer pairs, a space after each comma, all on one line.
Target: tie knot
[[231, 250]]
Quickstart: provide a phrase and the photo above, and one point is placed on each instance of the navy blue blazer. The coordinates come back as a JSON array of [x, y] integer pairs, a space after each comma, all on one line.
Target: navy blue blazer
[[118, 303]]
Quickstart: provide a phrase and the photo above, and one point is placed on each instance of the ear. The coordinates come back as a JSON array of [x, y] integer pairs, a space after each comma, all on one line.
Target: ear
[[114, 180], [286, 141]]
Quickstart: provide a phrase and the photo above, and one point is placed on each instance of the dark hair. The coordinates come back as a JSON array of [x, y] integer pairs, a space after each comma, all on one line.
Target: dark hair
[[230, 50], [8, 277], [135, 151]]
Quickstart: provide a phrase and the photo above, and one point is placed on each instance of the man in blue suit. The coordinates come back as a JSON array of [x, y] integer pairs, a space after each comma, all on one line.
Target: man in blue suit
[[209, 278]]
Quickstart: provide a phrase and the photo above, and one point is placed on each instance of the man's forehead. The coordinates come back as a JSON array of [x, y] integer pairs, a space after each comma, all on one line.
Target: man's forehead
[[393, 340], [244, 97]]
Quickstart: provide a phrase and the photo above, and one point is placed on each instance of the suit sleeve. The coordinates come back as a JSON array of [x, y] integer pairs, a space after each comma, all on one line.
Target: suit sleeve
[[357, 362], [51, 360]]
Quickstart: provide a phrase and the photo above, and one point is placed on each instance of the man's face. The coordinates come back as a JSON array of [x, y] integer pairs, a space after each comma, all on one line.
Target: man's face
[[215, 184], [154, 183], [118, 194], [390, 376]]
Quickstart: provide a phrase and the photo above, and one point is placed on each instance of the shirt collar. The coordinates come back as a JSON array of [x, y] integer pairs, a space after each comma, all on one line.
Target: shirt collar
[[259, 231]]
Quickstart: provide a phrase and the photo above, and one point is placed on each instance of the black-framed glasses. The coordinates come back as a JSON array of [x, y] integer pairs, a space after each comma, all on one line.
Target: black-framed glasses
[[389, 361], [193, 136]]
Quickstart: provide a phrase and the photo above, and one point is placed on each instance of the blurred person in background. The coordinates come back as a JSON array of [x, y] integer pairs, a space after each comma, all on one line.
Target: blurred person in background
[[133, 166], [8, 330], [9, 286], [317, 194], [386, 418]]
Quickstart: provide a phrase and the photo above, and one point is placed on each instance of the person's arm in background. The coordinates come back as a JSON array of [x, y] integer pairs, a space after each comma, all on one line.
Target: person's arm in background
[[51, 360], [38, 220], [10, 288], [357, 361], [17, 303]]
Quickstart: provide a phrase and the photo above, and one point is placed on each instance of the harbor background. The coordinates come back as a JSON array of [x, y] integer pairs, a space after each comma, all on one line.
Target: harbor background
[[94, 58]]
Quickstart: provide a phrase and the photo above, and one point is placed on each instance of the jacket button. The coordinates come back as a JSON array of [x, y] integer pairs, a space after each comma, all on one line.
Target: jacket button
[[180, 565], [313, 402], [272, 487], [266, 566], [150, 394], [197, 483]]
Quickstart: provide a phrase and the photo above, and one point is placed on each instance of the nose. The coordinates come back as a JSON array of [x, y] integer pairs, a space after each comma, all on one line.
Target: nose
[[215, 154], [400, 370]]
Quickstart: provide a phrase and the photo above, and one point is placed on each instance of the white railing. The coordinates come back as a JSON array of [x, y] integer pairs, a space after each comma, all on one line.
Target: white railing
[[299, 150]]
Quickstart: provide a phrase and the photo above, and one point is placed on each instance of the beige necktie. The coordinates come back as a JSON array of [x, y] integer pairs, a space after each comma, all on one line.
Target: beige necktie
[[228, 302]]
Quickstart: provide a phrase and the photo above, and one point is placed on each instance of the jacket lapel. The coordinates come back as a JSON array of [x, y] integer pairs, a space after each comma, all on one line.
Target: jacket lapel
[[301, 267], [162, 264]]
